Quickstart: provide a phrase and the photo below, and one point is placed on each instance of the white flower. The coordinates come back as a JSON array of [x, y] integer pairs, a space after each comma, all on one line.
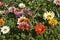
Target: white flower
[[20, 19], [21, 5], [48, 15], [5, 29], [1, 12]]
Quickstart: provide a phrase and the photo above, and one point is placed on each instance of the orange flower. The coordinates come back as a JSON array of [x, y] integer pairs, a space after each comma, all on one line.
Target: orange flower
[[2, 22], [40, 29], [23, 19], [53, 22]]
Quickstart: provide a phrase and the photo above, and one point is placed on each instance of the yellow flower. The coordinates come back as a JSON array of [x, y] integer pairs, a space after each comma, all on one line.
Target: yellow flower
[[21, 5], [53, 22], [2, 22], [48, 15]]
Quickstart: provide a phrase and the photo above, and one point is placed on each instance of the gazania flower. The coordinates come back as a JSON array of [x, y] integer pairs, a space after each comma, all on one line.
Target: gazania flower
[[53, 22], [1, 4], [23, 19], [40, 29], [24, 26], [11, 9], [16, 10], [5, 29], [57, 2], [2, 22], [21, 5], [20, 13], [30, 13], [48, 15]]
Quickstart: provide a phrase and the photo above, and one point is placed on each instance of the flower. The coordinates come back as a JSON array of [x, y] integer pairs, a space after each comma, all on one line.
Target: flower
[[21, 5], [1, 4], [30, 13], [25, 10], [1, 12], [24, 26], [11, 9], [5, 29], [48, 15], [20, 13], [16, 10], [53, 22], [23, 19], [57, 2], [2, 22], [40, 29]]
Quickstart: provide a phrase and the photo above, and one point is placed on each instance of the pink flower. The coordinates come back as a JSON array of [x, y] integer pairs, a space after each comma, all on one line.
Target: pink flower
[[24, 26], [1, 4], [57, 2], [11, 9], [16, 10]]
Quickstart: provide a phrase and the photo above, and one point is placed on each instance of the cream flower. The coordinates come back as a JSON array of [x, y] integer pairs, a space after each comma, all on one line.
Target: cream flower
[[5, 29], [21, 5], [48, 15]]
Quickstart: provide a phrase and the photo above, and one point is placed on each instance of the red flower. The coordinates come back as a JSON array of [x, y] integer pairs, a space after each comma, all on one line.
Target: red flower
[[24, 26], [40, 29], [1, 4]]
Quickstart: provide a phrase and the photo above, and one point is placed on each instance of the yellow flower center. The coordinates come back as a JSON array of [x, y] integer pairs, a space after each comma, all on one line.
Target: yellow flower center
[[49, 16], [5, 30]]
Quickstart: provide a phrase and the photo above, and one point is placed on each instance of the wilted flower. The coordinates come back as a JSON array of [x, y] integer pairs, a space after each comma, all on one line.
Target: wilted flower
[[2, 22], [57, 2], [53, 22], [25, 10], [23, 19], [24, 26], [2, 4], [40, 29], [30, 13], [48, 15], [21, 5], [5, 29], [5, 12]]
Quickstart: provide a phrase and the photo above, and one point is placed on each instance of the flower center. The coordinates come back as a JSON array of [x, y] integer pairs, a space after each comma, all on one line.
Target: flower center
[[5, 30], [49, 16], [40, 29]]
